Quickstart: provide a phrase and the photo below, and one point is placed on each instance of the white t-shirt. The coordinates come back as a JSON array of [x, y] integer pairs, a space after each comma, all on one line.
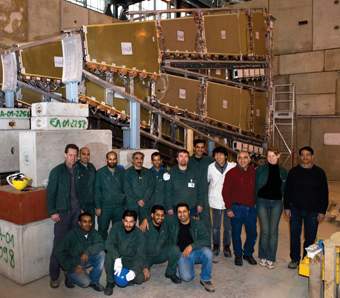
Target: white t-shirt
[[216, 180]]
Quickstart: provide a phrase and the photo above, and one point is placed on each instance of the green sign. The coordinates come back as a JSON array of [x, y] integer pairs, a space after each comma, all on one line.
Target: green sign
[[14, 113], [68, 123]]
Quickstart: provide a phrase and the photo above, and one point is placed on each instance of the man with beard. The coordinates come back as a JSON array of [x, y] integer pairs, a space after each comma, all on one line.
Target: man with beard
[[86, 175], [110, 200], [157, 248], [125, 247]]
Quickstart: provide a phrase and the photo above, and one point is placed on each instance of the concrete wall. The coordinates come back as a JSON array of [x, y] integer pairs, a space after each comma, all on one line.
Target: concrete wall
[[26, 20]]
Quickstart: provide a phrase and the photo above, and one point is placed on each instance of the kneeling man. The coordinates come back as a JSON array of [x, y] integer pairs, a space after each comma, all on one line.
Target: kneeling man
[[82, 251], [125, 247]]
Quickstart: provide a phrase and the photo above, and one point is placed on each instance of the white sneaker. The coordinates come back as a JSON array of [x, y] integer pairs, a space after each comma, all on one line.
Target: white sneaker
[[263, 262], [270, 265]]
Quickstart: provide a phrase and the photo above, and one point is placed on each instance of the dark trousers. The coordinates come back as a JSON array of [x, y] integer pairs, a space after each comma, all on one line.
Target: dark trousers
[[310, 223], [107, 216], [246, 216], [170, 254], [217, 215], [68, 221]]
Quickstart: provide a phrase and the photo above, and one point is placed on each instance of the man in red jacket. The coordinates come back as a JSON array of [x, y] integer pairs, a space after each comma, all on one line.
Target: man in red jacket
[[239, 198]]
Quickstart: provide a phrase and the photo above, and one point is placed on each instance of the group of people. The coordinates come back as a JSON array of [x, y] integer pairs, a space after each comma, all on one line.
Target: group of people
[[176, 216]]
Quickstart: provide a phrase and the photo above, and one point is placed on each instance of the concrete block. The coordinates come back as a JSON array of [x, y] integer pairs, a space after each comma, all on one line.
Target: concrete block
[[59, 109], [56, 122], [316, 104], [14, 113], [9, 151], [314, 83], [125, 157], [73, 16], [326, 32], [302, 62], [25, 250], [40, 151], [293, 28], [332, 59], [14, 124]]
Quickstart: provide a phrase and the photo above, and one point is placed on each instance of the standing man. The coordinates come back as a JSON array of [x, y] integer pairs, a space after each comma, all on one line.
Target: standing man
[[86, 176], [216, 176], [139, 187], [199, 161], [239, 198], [161, 177], [63, 204], [157, 248], [184, 186], [82, 248], [192, 239], [305, 199], [125, 247], [110, 199]]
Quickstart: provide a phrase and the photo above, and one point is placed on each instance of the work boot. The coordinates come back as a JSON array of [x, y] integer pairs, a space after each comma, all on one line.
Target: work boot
[[97, 287], [227, 251], [238, 261], [216, 250], [208, 286], [54, 283], [173, 278], [108, 291], [250, 260], [293, 264], [68, 284]]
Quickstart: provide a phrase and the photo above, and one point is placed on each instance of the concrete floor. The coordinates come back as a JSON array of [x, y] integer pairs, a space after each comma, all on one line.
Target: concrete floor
[[230, 281]]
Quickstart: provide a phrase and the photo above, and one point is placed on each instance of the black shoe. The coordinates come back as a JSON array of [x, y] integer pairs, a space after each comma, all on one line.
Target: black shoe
[[109, 289], [238, 261], [227, 251], [54, 283], [173, 278], [68, 284], [97, 287], [293, 264], [208, 286], [216, 250], [250, 260]]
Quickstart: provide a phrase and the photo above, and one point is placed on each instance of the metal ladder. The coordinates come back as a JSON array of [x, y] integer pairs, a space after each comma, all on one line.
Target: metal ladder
[[283, 121]]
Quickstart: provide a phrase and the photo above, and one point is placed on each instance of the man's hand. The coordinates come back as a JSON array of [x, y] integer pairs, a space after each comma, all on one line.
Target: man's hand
[[78, 269], [199, 209], [55, 217], [171, 212], [146, 273], [98, 211], [187, 251], [321, 217], [84, 259], [230, 214], [140, 203], [144, 225], [288, 213]]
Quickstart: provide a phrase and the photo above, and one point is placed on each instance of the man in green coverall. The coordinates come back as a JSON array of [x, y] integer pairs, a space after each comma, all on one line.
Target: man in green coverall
[[139, 187], [127, 243], [199, 162], [86, 175], [157, 249], [184, 186], [110, 200], [82, 248]]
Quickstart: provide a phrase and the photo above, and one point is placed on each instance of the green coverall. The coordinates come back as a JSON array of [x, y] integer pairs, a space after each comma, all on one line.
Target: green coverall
[[159, 194], [109, 197], [138, 187], [130, 247], [158, 250]]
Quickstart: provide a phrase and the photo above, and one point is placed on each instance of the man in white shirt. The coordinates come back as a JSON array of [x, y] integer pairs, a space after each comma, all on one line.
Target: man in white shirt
[[216, 174]]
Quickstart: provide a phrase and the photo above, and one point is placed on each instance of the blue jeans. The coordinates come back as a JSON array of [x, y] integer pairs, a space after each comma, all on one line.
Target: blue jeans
[[310, 223], [269, 213], [186, 265], [216, 227], [246, 216], [83, 279]]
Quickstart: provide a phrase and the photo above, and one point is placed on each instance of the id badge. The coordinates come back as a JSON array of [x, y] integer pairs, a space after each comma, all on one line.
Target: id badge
[[191, 184]]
